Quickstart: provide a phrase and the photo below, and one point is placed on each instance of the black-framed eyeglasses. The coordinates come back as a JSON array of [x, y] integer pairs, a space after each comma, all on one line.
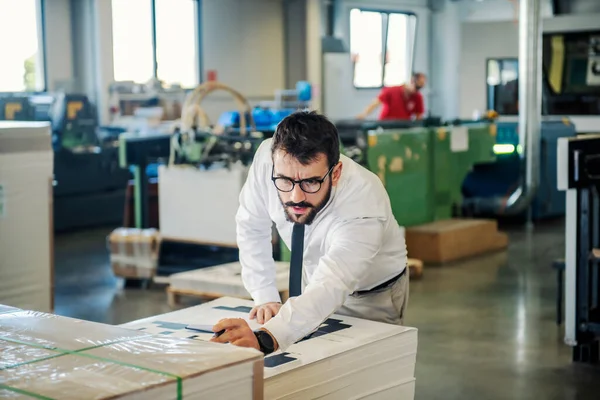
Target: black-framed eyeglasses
[[311, 185]]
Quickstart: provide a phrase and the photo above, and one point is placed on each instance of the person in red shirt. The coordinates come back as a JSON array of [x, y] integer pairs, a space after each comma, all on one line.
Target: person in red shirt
[[400, 102]]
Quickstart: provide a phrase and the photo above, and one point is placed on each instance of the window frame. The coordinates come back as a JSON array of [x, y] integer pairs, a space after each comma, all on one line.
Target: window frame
[[42, 44], [385, 25], [489, 98], [198, 28]]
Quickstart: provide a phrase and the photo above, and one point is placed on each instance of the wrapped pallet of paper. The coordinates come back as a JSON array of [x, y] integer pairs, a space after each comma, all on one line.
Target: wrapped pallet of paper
[[345, 358], [221, 281], [199, 205], [26, 229], [45, 356], [134, 252]]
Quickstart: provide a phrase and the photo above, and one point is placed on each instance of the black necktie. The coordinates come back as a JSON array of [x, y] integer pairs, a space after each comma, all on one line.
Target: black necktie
[[296, 260]]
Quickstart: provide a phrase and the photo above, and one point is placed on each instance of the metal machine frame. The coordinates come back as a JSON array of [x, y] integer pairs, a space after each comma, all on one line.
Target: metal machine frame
[[579, 175]]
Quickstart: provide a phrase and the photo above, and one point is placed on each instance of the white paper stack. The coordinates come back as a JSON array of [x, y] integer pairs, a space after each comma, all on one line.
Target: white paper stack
[[48, 356], [26, 231], [346, 358], [224, 280]]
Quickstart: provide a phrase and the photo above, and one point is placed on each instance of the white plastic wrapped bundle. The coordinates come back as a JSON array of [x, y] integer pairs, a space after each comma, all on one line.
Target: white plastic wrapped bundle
[[46, 356]]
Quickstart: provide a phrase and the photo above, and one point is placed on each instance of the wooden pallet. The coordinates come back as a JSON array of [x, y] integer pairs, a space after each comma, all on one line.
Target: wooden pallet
[[415, 269], [174, 295]]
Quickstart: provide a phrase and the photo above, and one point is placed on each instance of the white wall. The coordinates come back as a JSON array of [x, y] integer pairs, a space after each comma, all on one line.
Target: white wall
[[243, 42], [480, 41], [498, 39], [496, 10], [59, 46]]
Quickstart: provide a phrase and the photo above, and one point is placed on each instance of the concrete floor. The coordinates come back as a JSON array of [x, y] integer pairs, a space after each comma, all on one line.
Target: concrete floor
[[486, 326]]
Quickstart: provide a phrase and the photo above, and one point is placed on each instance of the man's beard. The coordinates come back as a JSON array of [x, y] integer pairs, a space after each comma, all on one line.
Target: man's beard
[[308, 217]]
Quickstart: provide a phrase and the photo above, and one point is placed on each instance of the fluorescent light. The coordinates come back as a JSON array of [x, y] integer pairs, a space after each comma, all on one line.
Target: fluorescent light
[[504, 148]]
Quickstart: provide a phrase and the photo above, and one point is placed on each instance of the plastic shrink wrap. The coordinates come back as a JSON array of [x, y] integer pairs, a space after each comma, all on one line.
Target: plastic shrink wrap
[[46, 356]]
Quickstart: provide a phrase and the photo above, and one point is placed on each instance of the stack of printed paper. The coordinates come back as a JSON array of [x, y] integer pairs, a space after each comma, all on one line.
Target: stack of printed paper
[[346, 358], [223, 280], [52, 357], [26, 215]]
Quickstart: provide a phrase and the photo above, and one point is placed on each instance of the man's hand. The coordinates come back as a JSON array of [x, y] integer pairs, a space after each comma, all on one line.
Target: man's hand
[[265, 312], [237, 332]]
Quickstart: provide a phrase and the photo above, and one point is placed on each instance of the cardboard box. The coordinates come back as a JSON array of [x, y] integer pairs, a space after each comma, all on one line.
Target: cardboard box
[[26, 228], [134, 252], [454, 239]]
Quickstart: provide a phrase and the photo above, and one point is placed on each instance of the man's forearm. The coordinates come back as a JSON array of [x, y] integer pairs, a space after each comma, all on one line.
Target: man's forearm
[[372, 107]]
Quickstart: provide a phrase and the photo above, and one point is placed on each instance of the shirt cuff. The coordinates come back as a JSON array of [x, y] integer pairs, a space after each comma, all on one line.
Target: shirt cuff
[[280, 331], [266, 295]]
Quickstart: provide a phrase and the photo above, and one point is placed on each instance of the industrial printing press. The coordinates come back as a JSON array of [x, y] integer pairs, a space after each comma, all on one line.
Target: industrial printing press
[[87, 175], [578, 171], [201, 169]]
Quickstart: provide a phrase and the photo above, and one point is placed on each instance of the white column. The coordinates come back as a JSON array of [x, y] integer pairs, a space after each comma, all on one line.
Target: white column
[[444, 82], [104, 56], [314, 57]]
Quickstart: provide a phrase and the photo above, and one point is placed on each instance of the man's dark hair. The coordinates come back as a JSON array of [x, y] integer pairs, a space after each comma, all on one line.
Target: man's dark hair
[[306, 134], [417, 75]]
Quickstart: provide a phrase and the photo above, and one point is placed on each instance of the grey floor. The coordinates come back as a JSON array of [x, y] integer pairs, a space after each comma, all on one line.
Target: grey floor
[[486, 326]]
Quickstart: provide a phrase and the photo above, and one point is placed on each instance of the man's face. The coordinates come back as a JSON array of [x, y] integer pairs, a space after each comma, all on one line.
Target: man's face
[[420, 82], [298, 205]]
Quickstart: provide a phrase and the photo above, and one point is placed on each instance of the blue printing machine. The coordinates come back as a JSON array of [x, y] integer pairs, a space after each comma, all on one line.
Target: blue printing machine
[[502, 177], [266, 120], [267, 117]]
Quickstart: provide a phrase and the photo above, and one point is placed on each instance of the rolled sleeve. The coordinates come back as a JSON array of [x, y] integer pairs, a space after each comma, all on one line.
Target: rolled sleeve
[[384, 95], [350, 256], [254, 234]]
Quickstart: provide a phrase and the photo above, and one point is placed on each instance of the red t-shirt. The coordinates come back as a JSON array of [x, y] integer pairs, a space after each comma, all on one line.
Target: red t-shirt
[[396, 105]]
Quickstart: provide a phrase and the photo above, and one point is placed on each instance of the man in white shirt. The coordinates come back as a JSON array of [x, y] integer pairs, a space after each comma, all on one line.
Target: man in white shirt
[[354, 252]]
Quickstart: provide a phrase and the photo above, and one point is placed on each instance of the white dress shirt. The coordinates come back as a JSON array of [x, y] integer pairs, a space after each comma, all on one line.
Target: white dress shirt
[[354, 243]]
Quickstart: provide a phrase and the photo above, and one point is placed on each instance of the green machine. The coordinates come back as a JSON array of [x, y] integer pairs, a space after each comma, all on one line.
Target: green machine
[[423, 168], [421, 164]]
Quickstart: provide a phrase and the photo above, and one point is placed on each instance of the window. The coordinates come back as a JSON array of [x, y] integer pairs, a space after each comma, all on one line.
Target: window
[[133, 57], [176, 38], [21, 64], [376, 64], [155, 39], [503, 85]]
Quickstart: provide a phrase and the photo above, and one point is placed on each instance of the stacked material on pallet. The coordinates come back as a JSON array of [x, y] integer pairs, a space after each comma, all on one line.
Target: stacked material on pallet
[[48, 356], [346, 358], [134, 252], [26, 229], [223, 280], [454, 239]]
